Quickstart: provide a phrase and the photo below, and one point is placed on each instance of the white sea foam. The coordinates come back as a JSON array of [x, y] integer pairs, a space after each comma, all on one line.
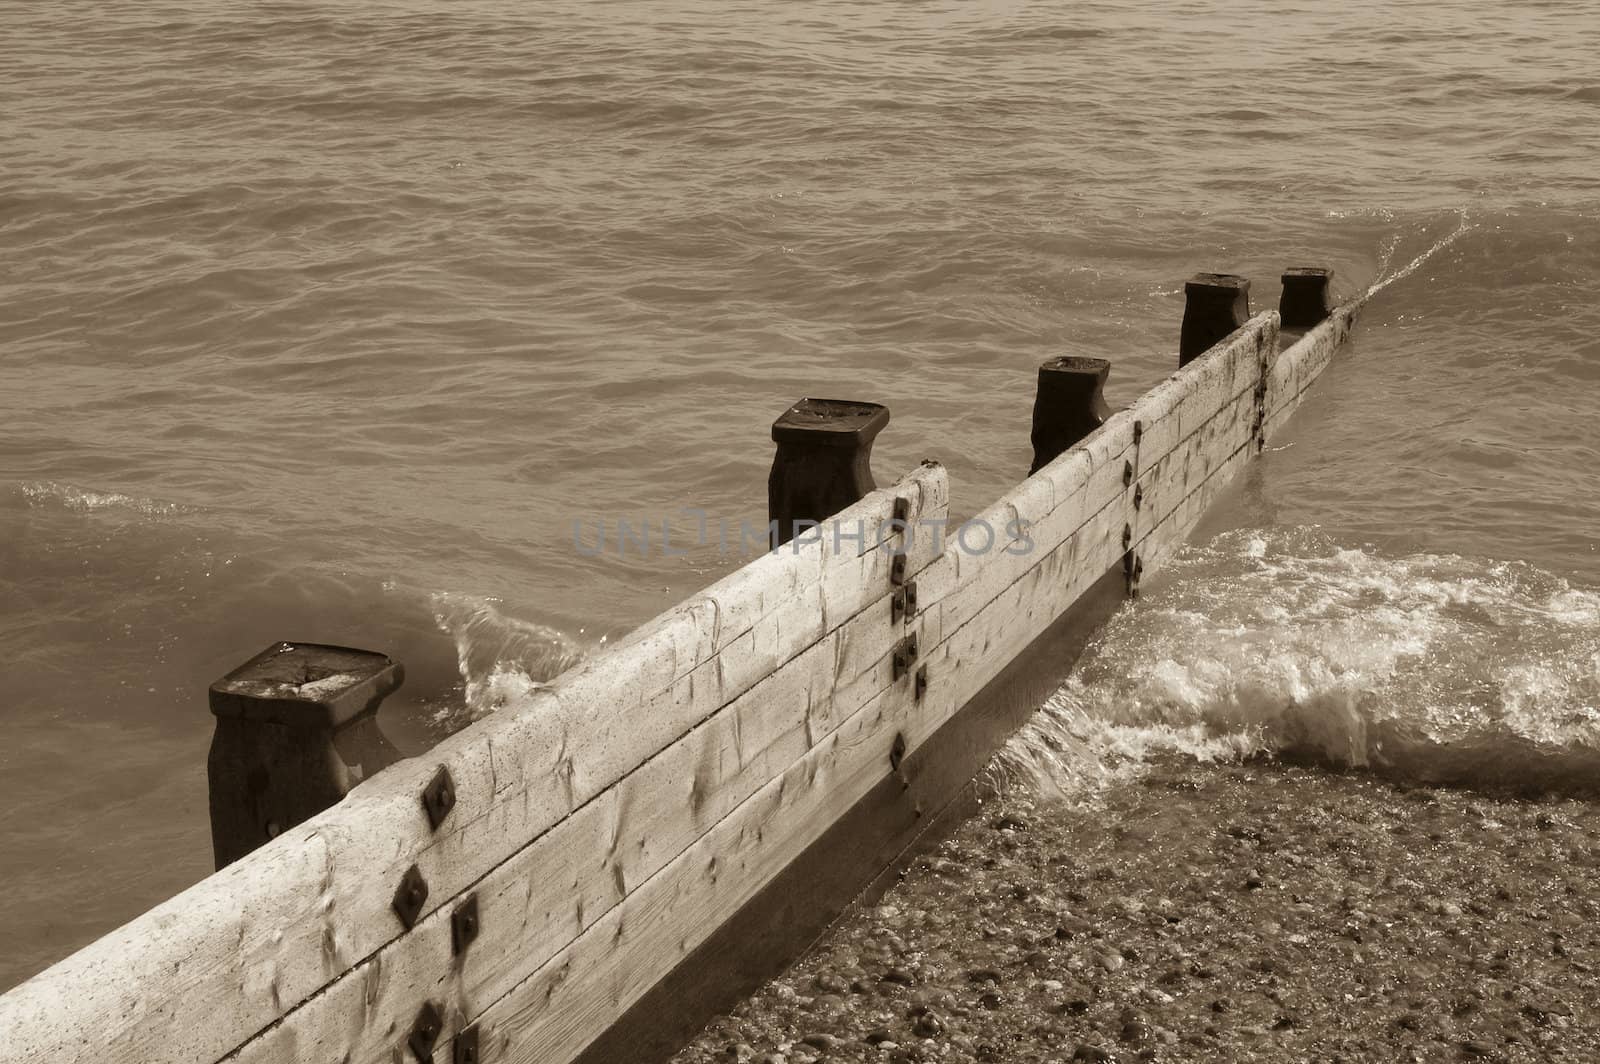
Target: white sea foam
[[1433, 667]]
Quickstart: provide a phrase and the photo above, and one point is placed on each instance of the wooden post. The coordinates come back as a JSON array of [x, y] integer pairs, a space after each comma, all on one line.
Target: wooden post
[[1069, 405], [1307, 298], [1215, 305], [824, 461], [297, 727]]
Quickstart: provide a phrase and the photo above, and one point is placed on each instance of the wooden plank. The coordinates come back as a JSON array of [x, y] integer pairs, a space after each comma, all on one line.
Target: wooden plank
[[964, 584], [1175, 408], [860, 854], [566, 1003], [1166, 484], [562, 884], [1087, 479], [1298, 365], [1226, 448], [200, 975]]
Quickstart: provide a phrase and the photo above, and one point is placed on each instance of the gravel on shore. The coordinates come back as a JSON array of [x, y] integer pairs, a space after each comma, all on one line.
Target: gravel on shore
[[1253, 912]]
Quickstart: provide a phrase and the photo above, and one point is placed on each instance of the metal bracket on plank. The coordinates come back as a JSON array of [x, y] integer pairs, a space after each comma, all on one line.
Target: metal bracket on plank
[[903, 604], [465, 1048], [897, 560], [1132, 571], [425, 1032], [464, 925], [1263, 366], [1130, 478], [905, 655], [897, 757], [439, 797], [411, 896]]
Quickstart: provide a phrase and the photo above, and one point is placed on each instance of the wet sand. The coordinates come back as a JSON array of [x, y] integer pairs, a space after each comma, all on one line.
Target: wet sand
[[1213, 913]]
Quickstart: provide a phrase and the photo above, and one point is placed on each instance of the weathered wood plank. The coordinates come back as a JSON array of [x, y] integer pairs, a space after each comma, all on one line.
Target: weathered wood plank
[[1168, 482], [567, 1003], [200, 975], [547, 1019], [1171, 532], [1297, 366], [964, 584], [1221, 452], [559, 886], [563, 1007], [1090, 477]]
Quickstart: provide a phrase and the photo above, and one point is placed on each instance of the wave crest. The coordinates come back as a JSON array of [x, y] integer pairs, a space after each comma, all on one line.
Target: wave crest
[[1433, 668], [502, 659]]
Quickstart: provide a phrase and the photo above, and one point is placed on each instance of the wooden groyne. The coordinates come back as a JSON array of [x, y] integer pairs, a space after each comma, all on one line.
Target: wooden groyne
[[584, 875]]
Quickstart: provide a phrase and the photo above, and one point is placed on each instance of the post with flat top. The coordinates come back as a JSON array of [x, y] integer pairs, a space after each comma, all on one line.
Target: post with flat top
[[1069, 405], [824, 461], [1215, 304], [1307, 296], [296, 729]]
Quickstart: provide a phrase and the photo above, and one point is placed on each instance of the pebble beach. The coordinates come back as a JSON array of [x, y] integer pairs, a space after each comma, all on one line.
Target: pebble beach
[[1237, 912]]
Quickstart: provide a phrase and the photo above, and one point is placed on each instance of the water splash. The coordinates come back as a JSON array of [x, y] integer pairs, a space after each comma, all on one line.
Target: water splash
[[1387, 276], [87, 500], [1434, 668], [501, 658]]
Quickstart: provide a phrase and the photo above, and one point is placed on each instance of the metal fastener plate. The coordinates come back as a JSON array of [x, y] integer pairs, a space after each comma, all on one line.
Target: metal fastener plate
[[464, 924], [411, 897], [425, 1032], [897, 751], [905, 655], [439, 797], [465, 1048], [903, 604]]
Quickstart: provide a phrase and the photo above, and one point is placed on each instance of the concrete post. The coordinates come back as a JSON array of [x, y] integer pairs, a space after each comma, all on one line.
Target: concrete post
[[1215, 305], [1069, 405], [824, 461], [296, 728], [1307, 296]]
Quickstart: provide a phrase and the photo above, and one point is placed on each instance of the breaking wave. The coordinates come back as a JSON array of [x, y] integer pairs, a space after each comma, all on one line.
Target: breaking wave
[[501, 658], [1432, 668]]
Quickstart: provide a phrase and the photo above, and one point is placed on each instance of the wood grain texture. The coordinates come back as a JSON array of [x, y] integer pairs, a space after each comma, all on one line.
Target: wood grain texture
[[564, 882], [207, 971], [991, 604], [1297, 366], [569, 1001]]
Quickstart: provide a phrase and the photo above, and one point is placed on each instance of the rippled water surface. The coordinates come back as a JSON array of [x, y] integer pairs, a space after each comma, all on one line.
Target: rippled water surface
[[326, 321]]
